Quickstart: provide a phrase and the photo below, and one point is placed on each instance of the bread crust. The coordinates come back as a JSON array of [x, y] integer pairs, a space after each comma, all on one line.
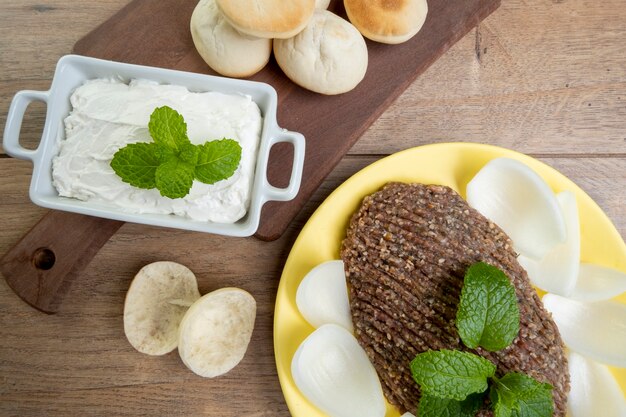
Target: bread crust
[[222, 47], [329, 56], [216, 330], [387, 21], [268, 18], [155, 303]]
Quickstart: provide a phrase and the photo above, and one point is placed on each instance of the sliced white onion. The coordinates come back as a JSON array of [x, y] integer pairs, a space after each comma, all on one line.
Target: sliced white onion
[[596, 283], [557, 272], [322, 296], [333, 372], [593, 390], [596, 330], [518, 200]]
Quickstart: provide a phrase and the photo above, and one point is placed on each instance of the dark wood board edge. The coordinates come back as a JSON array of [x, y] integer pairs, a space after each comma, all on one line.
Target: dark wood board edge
[[167, 34], [41, 267], [272, 224], [75, 239], [325, 148]]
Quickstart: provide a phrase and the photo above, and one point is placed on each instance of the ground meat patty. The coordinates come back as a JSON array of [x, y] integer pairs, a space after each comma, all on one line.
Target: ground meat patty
[[406, 252]]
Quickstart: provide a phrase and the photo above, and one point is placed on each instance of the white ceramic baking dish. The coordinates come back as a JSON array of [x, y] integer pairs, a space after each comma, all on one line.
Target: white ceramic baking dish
[[73, 70]]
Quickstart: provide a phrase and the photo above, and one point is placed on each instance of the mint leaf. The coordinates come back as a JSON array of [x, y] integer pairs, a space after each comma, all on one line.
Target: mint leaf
[[136, 164], [518, 395], [168, 128], [488, 313], [174, 178], [163, 153], [430, 406], [189, 153], [451, 373], [171, 163], [217, 160]]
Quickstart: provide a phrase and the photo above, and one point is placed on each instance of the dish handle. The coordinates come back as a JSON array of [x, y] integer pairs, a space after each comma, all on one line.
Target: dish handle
[[11, 140], [271, 193]]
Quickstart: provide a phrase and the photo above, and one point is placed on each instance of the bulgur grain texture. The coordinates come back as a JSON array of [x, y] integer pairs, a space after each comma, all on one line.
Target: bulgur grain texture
[[406, 251]]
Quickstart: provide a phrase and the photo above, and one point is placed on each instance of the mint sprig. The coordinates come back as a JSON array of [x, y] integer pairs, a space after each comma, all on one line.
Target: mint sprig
[[174, 178], [451, 373], [137, 163], [518, 395], [216, 160], [171, 163], [168, 128], [488, 314], [454, 383], [431, 406]]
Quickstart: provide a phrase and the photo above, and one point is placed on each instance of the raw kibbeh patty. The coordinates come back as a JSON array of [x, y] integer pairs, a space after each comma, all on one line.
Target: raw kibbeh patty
[[406, 252]]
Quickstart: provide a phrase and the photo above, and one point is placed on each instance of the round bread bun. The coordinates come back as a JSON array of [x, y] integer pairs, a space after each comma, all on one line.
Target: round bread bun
[[216, 330], [329, 56], [322, 4], [156, 302], [385, 21], [268, 18], [223, 48]]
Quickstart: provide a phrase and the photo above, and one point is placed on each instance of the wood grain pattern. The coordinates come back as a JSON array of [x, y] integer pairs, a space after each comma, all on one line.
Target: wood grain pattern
[[539, 77], [330, 124], [78, 361], [43, 264], [167, 42]]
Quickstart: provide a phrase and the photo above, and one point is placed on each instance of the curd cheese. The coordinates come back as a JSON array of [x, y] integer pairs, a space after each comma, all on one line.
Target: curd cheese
[[108, 114]]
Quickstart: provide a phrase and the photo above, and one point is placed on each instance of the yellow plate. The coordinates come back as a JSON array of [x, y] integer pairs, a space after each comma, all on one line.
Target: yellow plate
[[452, 164]]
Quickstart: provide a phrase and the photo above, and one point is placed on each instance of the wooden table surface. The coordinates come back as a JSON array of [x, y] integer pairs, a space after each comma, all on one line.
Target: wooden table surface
[[546, 78]]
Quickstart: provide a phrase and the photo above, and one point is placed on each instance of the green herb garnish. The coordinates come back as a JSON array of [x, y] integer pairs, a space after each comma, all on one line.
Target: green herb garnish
[[488, 314], [451, 373], [172, 162], [431, 406], [519, 395], [454, 383]]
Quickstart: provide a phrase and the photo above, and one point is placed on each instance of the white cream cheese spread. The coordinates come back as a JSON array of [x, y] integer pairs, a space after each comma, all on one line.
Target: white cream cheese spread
[[108, 114]]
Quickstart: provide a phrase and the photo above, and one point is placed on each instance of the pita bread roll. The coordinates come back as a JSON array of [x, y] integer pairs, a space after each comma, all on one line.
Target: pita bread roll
[[268, 18], [156, 302], [216, 331], [329, 56], [387, 21], [224, 49]]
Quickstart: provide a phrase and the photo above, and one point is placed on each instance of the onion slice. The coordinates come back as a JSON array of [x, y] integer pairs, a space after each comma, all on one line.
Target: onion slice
[[518, 200], [557, 272], [593, 390], [596, 330], [596, 283], [333, 372], [322, 296]]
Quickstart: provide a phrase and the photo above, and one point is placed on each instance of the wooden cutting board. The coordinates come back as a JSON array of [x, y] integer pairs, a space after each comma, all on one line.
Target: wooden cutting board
[[156, 33]]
